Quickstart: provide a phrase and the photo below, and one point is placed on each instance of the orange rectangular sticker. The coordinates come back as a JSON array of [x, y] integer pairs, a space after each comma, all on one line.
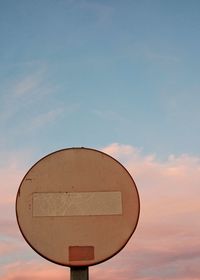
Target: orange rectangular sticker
[[81, 253]]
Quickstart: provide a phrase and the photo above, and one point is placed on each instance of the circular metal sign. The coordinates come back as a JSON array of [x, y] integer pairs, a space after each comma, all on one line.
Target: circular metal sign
[[77, 207]]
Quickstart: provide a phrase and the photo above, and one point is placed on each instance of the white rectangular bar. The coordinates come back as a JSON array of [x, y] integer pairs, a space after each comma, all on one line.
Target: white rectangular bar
[[77, 204]]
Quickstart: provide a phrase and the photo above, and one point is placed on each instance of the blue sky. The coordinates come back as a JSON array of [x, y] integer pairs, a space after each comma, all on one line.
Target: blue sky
[[122, 76], [97, 72]]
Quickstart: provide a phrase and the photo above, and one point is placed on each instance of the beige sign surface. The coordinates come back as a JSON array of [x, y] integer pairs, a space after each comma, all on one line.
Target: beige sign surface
[[77, 207]]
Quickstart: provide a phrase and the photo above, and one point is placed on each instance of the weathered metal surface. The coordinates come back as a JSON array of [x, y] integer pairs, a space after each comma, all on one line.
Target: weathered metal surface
[[76, 204], [77, 198]]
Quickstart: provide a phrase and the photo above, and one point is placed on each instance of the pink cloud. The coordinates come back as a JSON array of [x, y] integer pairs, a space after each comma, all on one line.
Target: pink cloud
[[168, 230], [34, 270], [11, 174], [166, 242], [6, 247]]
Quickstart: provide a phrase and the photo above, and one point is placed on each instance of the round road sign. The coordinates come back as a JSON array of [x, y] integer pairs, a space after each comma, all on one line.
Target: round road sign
[[77, 207]]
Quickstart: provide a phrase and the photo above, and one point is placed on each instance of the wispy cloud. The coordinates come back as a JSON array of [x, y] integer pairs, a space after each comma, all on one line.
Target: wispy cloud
[[24, 107], [24, 93], [27, 85], [103, 12], [151, 54], [157, 56], [45, 118], [109, 115]]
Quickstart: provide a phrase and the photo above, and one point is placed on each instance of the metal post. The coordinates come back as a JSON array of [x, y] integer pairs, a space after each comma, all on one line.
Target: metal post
[[79, 273]]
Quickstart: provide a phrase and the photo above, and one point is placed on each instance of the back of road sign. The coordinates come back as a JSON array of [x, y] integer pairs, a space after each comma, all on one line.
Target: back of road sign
[[77, 207]]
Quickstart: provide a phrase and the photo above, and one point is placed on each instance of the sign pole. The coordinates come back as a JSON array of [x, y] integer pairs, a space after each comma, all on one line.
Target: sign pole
[[79, 273]]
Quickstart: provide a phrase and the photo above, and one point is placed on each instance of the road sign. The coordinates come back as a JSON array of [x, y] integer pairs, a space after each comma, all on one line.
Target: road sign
[[77, 207]]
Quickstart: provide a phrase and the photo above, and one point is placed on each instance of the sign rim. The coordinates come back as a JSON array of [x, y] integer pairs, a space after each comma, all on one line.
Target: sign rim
[[78, 265]]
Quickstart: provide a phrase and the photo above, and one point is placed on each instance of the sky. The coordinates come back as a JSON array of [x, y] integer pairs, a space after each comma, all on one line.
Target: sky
[[121, 77]]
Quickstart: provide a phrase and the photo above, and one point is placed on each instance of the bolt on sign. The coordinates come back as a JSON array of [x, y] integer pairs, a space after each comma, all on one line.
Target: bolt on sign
[[77, 207]]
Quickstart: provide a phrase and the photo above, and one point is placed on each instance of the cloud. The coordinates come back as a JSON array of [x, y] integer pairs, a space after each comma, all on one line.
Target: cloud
[[25, 92], [12, 169], [50, 116], [33, 270], [168, 230], [109, 116], [151, 55], [8, 225], [156, 56], [25, 107], [27, 84], [5, 248], [102, 12], [45, 118], [10, 246], [166, 242], [10, 179], [121, 151]]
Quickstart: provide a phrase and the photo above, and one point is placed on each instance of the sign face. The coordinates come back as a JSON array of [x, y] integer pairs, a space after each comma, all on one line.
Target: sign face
[[77, 207]]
